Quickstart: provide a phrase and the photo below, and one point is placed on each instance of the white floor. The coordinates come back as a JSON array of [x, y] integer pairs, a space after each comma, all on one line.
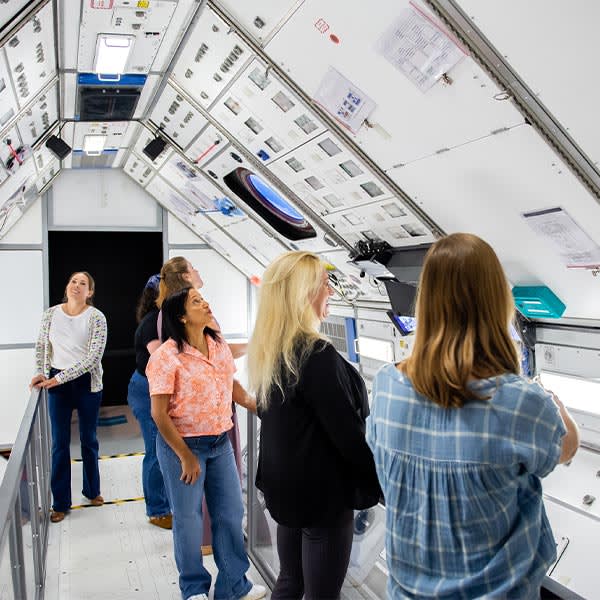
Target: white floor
[[112, 552]]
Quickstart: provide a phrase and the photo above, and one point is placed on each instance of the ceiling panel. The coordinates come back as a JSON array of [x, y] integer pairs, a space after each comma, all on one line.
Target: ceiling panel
[[264, 115], [406, 124], [9, 10], [177, 26], [211, 58], [329, 175], [386, 220], [148, 22], [260, 18], [484, 188], [559, 74]]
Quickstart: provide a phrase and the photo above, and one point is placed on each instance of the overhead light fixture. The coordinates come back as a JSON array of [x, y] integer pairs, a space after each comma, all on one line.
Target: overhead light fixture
[[58, 147], [112, 53], [94, 144], [154, 147]]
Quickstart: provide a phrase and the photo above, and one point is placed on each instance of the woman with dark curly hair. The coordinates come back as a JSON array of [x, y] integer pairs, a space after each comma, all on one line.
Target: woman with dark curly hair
[[138, 398]]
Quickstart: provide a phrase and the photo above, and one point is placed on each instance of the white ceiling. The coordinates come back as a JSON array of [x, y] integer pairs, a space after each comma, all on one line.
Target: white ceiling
[[233, 84]]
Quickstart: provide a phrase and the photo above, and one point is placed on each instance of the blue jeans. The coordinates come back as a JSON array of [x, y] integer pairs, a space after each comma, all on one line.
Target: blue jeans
[[138, 398], [221, 484], [62, 400]]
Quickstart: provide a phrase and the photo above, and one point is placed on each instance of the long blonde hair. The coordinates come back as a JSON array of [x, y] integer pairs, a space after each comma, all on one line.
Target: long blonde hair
[[464, 309], [286, 327], [171, 278]]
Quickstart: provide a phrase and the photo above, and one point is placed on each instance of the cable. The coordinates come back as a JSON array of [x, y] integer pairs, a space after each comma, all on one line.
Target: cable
[[8, 211]]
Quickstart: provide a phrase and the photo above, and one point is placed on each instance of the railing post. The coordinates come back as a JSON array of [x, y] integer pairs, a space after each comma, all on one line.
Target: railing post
[[34, 510], [17, 560]]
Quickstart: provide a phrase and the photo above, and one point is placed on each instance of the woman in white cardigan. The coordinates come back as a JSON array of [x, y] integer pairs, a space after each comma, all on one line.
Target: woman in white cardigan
[[68, 353]]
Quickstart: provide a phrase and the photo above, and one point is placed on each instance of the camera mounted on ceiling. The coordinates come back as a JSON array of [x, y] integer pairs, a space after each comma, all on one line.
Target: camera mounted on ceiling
[[371, 256]]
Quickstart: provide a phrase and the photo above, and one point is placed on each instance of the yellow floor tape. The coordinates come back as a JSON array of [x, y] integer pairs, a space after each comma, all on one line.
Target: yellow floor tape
[[73, 460], [121, 501]]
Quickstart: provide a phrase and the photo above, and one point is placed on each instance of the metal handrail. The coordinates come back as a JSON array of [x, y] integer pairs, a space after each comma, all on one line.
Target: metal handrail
[[31, 451]]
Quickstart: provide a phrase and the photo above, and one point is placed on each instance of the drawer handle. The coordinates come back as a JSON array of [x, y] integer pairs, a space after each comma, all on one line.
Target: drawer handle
[[588, 499]]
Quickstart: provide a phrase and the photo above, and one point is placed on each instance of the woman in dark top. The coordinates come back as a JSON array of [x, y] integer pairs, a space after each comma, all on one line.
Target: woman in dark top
[[314, 464], [138, 398]]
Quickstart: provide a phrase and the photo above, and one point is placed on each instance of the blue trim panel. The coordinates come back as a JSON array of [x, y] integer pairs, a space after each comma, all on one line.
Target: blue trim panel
[[105, 151], [125, 80], [350, 337]]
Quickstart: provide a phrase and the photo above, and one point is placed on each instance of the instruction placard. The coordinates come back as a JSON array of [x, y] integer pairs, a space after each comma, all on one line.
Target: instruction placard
[[417, 47]]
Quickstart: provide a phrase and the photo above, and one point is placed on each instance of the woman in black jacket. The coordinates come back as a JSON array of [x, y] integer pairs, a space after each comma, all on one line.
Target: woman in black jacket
[[314, 465]]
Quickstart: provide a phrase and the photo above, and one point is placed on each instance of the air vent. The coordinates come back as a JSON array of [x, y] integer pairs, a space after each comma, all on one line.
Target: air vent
[[107, 104]]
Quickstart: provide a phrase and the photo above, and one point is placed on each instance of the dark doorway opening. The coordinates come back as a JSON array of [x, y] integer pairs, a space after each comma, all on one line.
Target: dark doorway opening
[[120, 263]]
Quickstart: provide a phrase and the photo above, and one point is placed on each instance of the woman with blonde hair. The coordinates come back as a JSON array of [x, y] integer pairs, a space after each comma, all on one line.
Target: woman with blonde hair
[[461, 440], [314, 465]]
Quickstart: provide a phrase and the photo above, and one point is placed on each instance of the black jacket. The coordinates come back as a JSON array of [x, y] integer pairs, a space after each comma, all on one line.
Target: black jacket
[[314, 461]]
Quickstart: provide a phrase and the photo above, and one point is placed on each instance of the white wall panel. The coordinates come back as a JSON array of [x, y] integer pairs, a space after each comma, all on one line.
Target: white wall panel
[[560, 74], [30, 55], [14, 391], [484, 187], [28, 229], [39, 117], [21, 310], [178, 233], [225, 288], [113, 130], [408, 123], [8, 101], [177, 117], [101, 198], [138, 169]]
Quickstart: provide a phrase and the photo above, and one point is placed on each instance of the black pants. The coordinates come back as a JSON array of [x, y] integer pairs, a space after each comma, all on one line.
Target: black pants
[[313, 560]]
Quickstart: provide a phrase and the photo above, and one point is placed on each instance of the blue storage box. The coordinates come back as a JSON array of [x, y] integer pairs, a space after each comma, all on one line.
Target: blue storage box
[[537, 302]]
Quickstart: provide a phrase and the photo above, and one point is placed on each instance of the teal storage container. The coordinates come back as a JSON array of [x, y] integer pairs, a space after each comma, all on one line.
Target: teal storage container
[[538, 302]]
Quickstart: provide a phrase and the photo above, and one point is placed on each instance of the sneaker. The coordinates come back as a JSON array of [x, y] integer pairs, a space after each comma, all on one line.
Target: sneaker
[[198, 597], [257, 592], [164, 521], [97, 501]]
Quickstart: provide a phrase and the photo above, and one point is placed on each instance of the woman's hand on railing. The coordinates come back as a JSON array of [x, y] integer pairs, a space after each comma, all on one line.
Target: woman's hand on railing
[[49, 383], [36, 381]]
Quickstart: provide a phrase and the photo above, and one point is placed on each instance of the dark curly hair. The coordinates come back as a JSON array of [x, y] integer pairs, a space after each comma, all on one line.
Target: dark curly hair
[[146, 303]]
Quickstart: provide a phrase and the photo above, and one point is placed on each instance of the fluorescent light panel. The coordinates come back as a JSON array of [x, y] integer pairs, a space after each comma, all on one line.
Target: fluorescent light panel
[[575, 393], [378, 349], [112, 53], [94, 144]]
